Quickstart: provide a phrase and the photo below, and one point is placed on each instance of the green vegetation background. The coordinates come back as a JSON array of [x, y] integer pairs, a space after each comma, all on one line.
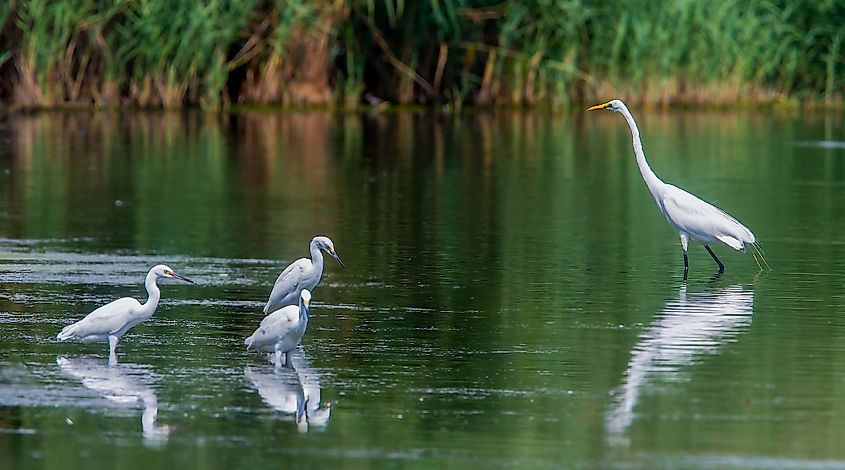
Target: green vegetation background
[[215, 53]]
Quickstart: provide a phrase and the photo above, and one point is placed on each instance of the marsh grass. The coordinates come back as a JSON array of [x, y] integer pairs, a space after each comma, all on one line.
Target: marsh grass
[[156, 53]]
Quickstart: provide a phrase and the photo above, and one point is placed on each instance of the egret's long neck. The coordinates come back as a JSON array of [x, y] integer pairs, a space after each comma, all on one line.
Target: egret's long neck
[[316, 257], [154, 293], [303, 311], [655, 185]]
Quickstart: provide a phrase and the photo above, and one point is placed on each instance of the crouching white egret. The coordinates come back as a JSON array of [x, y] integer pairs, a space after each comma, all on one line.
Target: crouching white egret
[[281, 331]]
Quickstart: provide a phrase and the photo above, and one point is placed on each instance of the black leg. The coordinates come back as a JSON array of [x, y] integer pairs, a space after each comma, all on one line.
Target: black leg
[[716, 259], [686, 266]]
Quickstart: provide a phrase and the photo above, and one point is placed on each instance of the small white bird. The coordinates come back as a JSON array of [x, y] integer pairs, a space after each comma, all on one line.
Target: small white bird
[[109, 322], [694, 219], [302, 274], [281, 331]]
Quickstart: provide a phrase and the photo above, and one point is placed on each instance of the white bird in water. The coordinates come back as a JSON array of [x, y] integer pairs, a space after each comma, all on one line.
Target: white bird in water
[[109, 322], [302, 274], [281, 331], [694, 219]]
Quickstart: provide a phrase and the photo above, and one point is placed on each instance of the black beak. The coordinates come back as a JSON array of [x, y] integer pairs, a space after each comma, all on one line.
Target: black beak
[[182, 278], [335, 256]]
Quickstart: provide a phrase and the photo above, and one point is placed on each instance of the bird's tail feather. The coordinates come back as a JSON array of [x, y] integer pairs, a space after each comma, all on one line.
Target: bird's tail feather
[[759, 258], [248, 343], [736, 229]]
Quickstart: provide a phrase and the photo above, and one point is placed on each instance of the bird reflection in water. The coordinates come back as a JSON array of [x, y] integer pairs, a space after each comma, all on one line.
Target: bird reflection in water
[[125, 384], [689, 327], [292, 390]]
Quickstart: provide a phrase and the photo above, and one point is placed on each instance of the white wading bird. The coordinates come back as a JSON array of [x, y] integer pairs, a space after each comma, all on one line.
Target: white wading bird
[[694, 219], [109, 322], [281, 331], [302, 274]]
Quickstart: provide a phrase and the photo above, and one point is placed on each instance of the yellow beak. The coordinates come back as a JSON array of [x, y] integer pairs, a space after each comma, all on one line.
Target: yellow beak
[[598, 106]]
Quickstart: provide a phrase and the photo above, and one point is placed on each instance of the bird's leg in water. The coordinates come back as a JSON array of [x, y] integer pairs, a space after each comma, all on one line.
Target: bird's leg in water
[[684, 243], [113, 350], [289, 359], [278, 360], [716, 259]]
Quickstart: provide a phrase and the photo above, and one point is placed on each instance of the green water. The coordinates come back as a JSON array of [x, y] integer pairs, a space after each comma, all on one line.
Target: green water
[[512, 297]]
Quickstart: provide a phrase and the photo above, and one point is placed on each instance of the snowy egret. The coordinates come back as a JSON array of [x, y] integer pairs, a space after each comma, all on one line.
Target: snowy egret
[[694, 219], [109, 322], [302, 274], [282, 330]]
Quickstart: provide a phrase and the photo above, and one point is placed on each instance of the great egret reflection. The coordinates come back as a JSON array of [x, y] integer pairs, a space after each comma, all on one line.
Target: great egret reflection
[[124, 385], [694, 219], [689, 328], [111, 321], [302, 274]]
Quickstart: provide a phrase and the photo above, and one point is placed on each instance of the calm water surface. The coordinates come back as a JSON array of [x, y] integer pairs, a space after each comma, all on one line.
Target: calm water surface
[[513, 298]]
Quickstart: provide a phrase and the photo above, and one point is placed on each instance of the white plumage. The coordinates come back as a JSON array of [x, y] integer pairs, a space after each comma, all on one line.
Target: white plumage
[[109, 322], [281, 331], [701, 221], [302, 274], [695, 219]]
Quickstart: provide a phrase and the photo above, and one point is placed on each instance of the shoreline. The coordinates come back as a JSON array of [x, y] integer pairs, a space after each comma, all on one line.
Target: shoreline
[[778, 105]]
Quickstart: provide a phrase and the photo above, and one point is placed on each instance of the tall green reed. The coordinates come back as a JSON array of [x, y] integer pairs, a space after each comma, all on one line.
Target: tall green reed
[[171, 53]]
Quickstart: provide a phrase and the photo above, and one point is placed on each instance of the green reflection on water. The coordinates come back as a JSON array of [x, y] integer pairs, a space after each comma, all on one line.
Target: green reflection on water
[[512, 297]]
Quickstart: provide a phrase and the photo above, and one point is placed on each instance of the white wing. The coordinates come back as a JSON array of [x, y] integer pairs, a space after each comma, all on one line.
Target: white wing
[[288, 284], [703, 222], [103, 321], [273, 327]]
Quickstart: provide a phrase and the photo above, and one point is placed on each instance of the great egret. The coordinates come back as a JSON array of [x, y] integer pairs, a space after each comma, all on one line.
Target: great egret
[[302, 274], [695, 219], [281, 331], [109, 322]]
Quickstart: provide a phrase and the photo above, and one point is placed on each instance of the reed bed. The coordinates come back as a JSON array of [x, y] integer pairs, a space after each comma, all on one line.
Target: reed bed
[[216, 53]]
